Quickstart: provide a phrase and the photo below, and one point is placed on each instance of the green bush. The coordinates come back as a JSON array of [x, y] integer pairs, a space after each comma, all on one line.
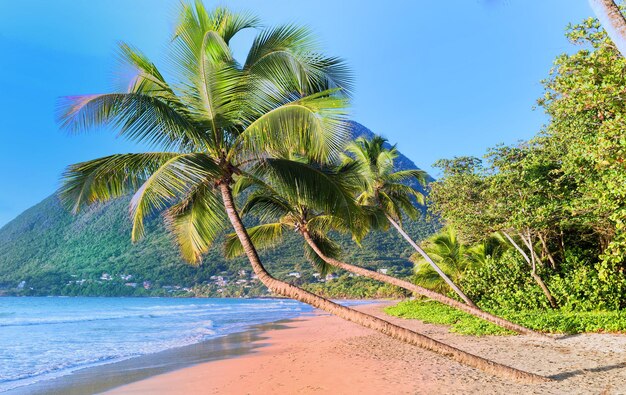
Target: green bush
[[552, 321], [585, 287], [505, 284], [577, 286], [433, 312]]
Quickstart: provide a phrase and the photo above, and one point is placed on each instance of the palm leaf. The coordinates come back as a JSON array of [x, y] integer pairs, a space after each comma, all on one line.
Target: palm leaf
[[310, 187], [405, 175], [138, 117], [287, 56], [262, 236], [266, 207], [314, 126], [109, 177], [170, 183], [327, 247], [196, 221]]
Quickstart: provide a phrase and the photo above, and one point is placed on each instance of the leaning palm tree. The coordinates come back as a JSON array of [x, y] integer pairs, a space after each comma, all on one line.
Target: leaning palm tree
[[218, 120], [386, 191], [281, 206]]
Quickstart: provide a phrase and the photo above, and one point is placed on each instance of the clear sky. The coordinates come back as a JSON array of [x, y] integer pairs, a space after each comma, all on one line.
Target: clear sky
[[440, 78]]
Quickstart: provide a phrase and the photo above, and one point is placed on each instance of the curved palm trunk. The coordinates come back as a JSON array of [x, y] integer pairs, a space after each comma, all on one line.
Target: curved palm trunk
[[423, 253], [475, 311], [612, 20], [366, 320]]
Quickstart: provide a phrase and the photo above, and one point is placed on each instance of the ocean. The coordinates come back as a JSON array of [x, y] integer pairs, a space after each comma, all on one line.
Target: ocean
[[43, 338]]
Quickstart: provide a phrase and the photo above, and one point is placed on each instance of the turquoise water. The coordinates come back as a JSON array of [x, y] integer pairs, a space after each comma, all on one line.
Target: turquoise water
[[44, 338]]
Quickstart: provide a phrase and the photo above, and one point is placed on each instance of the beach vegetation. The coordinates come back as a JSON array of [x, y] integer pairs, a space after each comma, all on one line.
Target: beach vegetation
[[555, 201], [280, 205], [544, 320]]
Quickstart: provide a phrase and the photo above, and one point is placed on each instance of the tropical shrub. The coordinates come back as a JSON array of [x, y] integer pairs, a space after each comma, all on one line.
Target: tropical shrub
[[504, 284]]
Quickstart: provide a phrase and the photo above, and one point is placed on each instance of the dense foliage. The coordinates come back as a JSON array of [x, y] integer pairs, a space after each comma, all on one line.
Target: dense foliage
[[557, 202]]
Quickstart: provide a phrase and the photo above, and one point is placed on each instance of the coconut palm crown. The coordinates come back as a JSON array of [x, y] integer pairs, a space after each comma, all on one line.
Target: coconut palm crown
[[282, 205], [386, 188], [216, 121]]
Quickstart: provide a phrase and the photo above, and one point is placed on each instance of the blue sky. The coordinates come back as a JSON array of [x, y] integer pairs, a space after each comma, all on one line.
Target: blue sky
[[440, 78]]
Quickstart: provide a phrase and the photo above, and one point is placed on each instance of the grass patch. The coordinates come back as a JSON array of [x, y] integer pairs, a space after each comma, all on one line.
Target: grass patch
[[552, 321]]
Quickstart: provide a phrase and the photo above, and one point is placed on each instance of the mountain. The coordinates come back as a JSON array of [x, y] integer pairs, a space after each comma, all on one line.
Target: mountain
[[46, 250]]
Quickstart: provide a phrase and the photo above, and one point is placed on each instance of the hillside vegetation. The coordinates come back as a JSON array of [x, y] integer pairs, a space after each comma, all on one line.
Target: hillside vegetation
[[47, 251]]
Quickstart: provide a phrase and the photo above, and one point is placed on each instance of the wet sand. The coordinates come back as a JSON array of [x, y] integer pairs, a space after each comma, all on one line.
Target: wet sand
[[101, 378], [326, 355]]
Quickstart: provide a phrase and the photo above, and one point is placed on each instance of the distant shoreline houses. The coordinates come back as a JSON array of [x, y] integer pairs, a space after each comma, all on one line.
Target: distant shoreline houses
[[236, 284]]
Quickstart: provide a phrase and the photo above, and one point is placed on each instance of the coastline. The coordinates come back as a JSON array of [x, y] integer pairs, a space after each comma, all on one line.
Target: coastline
[[100, 378], [324, 354]]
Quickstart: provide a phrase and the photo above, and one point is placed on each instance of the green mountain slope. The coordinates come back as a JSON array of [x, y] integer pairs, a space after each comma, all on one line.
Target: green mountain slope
[[46, 250]]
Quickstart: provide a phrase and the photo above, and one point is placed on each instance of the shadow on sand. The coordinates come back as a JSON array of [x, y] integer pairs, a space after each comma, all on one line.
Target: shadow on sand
[[567, 375]]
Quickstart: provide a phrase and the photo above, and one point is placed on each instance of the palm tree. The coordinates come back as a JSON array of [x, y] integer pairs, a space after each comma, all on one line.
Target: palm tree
[[282, 206], [386, 191], [450, 255], [453, 257], [612, 20], [219, 120]]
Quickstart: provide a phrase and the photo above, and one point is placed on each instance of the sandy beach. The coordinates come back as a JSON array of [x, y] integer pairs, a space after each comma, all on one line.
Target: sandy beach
[[324, 354]]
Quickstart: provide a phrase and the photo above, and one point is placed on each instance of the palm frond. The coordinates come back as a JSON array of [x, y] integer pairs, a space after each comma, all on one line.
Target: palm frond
[[262, 236], [313, 126], [109, 177], [402, 191], [427, 277], [448, 253], [146, 77], [287, 57], [307, 186], [266, 207], [138, 117], [406, 175], [200, 33], [171, 182], [195, 20], [326, 223], [327, 247], [196, 221]]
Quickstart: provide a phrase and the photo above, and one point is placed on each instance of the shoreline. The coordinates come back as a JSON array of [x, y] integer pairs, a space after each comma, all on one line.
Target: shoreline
[[104, 377], [99, 377], [324, 354]]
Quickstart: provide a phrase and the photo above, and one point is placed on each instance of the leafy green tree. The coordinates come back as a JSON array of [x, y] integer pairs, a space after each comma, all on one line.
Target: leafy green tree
[[219, 121], [515, 195], [460, 198], [583, 97]]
